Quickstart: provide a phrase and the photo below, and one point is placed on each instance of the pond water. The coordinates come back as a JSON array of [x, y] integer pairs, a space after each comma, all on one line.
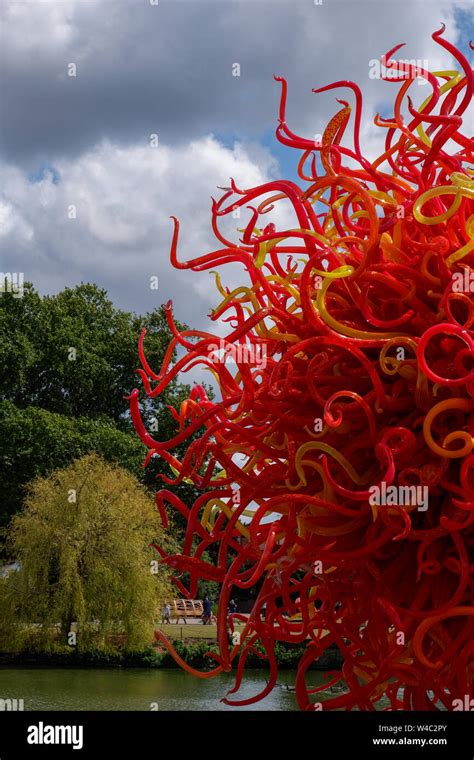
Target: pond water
[[137, 689]]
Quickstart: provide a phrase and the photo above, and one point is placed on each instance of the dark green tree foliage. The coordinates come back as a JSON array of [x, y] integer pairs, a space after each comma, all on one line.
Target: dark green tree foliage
[[67, 362], [74, 353], [34, 442]]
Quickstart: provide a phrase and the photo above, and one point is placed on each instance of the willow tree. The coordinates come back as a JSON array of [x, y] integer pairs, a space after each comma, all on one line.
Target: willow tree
[[82, 543]]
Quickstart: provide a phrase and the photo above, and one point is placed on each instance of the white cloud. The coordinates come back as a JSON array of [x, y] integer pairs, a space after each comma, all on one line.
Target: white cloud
[[123, 198], [37, 30]]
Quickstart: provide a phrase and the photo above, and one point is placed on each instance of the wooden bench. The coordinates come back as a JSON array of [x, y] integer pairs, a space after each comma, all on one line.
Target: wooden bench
[[185, 608]]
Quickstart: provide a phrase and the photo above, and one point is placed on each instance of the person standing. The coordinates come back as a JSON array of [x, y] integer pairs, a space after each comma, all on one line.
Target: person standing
[[207, 610]]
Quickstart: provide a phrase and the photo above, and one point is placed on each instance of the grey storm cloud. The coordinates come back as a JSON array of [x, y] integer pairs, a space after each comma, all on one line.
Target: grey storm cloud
[[167, 68], [140, 69]]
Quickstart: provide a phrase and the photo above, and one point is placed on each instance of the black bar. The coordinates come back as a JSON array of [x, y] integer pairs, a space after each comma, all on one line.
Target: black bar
[[146, 734]]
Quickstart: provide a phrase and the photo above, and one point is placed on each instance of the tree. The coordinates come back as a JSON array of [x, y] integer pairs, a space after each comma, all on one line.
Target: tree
[[83, 547], [74, 353], [66, 364], [35, 442]]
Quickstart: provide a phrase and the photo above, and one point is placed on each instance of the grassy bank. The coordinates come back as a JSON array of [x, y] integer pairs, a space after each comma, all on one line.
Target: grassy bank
[[193, 653], [192, 632]]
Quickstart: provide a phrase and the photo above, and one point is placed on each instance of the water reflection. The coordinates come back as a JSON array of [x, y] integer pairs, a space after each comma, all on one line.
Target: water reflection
[[137, 689]]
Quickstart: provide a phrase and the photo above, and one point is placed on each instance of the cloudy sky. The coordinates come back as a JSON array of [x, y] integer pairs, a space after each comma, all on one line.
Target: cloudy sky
[[166, 68]]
